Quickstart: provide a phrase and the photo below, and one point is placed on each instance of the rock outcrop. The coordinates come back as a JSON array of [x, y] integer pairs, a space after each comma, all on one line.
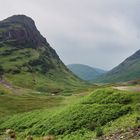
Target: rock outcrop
[[22, 30]]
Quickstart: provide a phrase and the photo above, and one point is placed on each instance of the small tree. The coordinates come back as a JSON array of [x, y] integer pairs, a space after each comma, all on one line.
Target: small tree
[[1, 72]]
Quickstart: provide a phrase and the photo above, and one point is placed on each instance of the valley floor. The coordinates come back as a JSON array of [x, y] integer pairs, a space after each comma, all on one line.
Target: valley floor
[[96, 113]]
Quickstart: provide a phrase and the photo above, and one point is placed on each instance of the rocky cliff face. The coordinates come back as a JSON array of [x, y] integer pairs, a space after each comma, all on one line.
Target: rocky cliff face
[[21, 29]]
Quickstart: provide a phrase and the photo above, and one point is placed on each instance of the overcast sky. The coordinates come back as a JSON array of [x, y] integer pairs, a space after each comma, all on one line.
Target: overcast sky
[[99, 33]]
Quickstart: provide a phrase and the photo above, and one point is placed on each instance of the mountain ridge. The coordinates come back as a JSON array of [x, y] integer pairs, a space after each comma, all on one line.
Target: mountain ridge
[[126, 71], [85, 72]]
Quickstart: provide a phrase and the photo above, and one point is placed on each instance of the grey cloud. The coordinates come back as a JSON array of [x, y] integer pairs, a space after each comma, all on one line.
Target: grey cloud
[[101, 33]]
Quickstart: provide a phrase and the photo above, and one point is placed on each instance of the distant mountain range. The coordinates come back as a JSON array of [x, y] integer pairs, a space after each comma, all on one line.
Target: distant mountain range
[[86, 72], [128, 70]]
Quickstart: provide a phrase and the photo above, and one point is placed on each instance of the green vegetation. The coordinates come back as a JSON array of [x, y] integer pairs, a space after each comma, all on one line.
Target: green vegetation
[[17, 100], [128, 70], [1, 72], [90, 117], [25, 68], [12, 104]]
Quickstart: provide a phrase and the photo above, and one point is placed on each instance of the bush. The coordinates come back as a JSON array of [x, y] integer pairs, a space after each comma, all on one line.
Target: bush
[[137, 107], [1, 71], [108, 96], [2, 92], [99, 132], [15, 70], [92, 126], [137, 119]]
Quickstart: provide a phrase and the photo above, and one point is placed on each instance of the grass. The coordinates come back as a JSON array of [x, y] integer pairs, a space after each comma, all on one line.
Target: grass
[[54, 81], [17, 100], [36, 69], [89, 116], [16, 103], [12, 60]]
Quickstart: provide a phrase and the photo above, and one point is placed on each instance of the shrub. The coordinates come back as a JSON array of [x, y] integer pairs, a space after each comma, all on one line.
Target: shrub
[[99, 132], [137, 107], [108, 96], [1, 71], [92, 126], [15, 70], [2, 92], [137, 119]]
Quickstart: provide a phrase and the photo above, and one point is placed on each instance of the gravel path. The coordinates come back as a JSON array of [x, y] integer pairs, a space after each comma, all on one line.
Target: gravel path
[[129, 88], [129, 134]]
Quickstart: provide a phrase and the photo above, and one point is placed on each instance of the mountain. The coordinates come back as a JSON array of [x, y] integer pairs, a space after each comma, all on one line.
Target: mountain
[[128, 70], [27, 59], [85, 72]]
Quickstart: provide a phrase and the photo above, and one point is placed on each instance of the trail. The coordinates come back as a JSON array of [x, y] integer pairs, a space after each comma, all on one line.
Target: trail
[[121, 88], [129, 88], [6, 84], [9, 86], [129, 134]]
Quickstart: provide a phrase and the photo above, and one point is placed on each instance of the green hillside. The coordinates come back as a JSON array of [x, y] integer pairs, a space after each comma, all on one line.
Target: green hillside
[[102, 112], [28, 61], [85, 72], [128, 70]]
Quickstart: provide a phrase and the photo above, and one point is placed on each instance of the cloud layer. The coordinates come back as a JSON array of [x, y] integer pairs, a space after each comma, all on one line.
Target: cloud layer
[[94, 32]]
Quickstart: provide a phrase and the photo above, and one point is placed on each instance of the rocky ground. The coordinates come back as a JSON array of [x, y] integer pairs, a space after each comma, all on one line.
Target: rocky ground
[[130, 134]]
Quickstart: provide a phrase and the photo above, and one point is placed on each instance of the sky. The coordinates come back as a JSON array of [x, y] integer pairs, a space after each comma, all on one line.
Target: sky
[[99, 33]]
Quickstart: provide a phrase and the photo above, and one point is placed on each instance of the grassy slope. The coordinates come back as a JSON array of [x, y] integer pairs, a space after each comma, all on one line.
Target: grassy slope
[[105, 109], [126, 71], [17, 100], [18, 72]]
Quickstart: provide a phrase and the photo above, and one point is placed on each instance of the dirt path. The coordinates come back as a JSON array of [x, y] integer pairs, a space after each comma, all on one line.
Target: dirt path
[[5, 84], [9, 86], [129, 88], [121, 88]]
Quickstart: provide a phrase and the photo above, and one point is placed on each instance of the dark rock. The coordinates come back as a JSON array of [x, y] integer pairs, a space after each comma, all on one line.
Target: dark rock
[[21, 29]]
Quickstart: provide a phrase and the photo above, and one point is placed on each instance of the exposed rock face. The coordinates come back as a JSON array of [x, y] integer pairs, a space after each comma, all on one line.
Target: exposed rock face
[[21, 29]]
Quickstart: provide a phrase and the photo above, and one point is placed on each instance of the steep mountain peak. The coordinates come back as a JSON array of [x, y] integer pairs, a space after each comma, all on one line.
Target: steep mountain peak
[[20, 19], [20, 29]]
